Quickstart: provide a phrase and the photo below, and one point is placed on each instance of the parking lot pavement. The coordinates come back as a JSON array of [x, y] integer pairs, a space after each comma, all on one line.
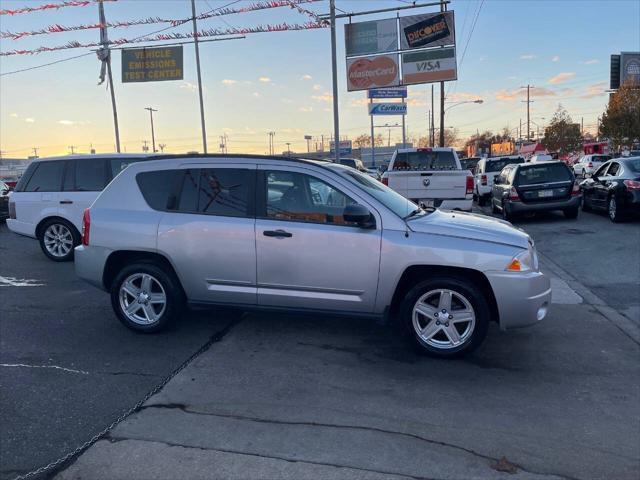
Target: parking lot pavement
[[67, 367], [307, 397]]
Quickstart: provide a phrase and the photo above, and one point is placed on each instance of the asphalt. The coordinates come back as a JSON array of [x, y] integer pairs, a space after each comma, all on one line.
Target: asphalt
[[321, 397]]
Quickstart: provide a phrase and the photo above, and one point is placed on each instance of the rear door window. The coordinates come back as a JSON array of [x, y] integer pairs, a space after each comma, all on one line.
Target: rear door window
[[156, 187], [425, 160], [91, 174], [47, 177], [116, 165], [226, 191], [543, 173], [24, 179]]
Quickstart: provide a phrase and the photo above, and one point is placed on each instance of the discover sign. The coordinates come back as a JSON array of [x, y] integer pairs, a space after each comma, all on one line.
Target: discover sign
[[152, 64]]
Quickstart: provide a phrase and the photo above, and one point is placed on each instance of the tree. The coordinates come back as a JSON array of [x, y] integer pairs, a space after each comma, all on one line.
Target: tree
[[451, 137], [562, 135], [621, 119], [364, 141]]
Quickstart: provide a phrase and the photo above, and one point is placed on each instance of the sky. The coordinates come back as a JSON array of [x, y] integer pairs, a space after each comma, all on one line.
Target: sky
[[281, 81]]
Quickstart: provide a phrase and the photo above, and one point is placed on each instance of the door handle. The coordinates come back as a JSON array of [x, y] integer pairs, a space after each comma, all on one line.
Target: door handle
[[277, 233], [66, 202]]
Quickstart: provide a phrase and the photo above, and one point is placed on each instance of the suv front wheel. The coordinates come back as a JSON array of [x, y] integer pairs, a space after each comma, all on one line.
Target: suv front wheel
[[146, 298], [445, 317]]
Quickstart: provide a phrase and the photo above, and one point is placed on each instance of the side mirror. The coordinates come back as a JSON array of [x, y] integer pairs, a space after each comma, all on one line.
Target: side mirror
[[589, 175], [358, 214], [497, 181]]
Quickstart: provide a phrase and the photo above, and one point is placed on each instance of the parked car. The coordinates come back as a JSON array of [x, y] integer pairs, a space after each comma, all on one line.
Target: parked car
[[541, 157], [614, 188], [49, 199], [470, 164], [589, 164], [537, 187], [289, 234], [430, 177], [374, 172], [354, 163], [4, 200], [486, 171]]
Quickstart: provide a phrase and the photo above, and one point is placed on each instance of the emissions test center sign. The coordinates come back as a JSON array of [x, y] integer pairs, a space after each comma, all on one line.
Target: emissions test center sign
[[152, 64]]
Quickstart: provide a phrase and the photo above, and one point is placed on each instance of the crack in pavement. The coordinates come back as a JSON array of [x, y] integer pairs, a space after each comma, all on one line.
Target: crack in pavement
[[259, 455], [185, 409]]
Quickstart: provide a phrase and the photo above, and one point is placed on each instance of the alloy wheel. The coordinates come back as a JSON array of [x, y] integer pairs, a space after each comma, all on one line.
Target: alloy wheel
[[142, 298], [443, 319], [58, 240]]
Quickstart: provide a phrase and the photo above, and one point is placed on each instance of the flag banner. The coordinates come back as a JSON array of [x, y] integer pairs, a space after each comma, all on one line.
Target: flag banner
[[51, 6]]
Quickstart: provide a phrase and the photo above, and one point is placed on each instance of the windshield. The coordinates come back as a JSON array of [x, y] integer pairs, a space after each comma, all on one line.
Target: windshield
[[349, 162], [425, 160], [545, 173], [633, 164], [497, 164], [389, 198]]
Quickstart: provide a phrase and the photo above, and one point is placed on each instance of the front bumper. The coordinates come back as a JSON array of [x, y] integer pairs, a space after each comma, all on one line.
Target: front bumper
[[89, 263], [522, 207], [21, 228], [523, 298]]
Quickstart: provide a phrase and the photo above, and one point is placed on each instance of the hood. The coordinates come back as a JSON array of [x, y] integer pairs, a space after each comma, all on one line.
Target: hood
[[469, 225]]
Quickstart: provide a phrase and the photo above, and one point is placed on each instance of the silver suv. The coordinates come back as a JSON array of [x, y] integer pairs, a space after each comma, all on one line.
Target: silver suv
[[275, 233]]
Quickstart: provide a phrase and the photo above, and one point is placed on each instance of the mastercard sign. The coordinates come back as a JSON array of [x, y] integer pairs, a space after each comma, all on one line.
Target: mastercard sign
[[372, 72]]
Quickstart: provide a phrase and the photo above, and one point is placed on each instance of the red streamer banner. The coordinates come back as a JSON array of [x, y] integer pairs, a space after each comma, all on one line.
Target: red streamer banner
[[295, 4], [51, 6], [212, 32]]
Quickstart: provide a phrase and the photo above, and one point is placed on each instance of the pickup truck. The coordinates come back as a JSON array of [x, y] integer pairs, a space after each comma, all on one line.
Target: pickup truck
[[432, 177]]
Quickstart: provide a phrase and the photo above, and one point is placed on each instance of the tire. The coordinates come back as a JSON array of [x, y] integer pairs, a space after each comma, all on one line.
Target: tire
[[481, 200], [571, 213], [505, 214], [159, 300], [494, 209], [586, 206], [57, 239], [613, 210], [429, 337]]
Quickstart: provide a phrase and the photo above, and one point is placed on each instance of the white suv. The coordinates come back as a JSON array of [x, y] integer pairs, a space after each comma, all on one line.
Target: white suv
[[486, 170], [589, 164], [49, 199]]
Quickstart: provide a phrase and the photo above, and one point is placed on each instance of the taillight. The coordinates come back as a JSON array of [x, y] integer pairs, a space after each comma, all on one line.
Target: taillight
[[631, 185], [12, 210], [575, 190], [483, 179], [590, 165], [385, 181], [513, 195], [469, 185], [86, 226]]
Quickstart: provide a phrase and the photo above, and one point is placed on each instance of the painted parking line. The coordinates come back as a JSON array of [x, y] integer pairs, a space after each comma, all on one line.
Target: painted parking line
[[19, 282], [55, 367]]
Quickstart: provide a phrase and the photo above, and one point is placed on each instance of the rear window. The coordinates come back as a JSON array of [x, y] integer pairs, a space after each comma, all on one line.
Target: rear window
[[116, 165], [544, 173], [633, 165], [423, 160], [46, 178], [25, 177], [348, 163], [495, 165], [155, 187], [601, 158]]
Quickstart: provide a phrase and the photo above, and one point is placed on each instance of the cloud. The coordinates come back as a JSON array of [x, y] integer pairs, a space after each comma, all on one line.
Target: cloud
[[264, 79], [512, 77], [227, 81], [555, 58], [306, 77], [562, 77], [595, 90], [66, 122], [325, 97], [190, 86], [482, 58], [508, 95], [359, 102], [317, 87], [528, 56], [288, 101], [462, 97], [13, 115], [591, 62], [256, 94], [541, 92], [29, 120], [227, 130], [306, 109]]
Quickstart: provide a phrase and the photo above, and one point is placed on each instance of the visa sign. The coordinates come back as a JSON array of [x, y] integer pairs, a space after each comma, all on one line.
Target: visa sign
[[387, 108]]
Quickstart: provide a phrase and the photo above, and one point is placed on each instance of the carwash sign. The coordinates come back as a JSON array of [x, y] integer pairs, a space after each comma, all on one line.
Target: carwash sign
[[152, 64], [387, 108], [370, 72]]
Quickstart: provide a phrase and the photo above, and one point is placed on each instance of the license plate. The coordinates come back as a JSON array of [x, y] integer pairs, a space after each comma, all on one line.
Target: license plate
[[426, 203], [545, 193]]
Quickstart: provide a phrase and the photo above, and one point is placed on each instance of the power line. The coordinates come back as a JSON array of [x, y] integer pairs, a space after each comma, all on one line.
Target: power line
[[45, 64]]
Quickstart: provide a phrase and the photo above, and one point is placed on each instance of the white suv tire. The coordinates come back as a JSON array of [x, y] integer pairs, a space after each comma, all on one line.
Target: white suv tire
[[58, 238]]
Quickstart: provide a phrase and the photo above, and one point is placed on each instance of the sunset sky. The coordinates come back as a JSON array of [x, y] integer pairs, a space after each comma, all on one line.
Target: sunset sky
[[282, 81]]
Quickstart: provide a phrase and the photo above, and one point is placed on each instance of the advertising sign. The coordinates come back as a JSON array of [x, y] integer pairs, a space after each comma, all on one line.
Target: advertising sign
[[378, 36], [345, 147], [428, 66], [630, 68], [152, 64], [370, 72], [396, 92], [428, 30], [387, 108]]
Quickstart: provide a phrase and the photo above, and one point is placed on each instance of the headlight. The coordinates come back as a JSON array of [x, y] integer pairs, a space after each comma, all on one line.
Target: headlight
[[524, 262]]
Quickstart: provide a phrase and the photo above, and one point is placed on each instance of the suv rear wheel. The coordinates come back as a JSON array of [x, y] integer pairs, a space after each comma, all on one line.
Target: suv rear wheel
[[57, 239], [445, 317], [146, 298]]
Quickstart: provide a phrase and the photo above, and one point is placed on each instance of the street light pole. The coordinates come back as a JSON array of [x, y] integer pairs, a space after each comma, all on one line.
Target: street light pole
[[195, 42], [334, 72], [153, 135]]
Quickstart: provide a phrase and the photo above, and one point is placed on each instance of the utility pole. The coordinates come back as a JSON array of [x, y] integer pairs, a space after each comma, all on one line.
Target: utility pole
[[104, 54], [432, 139], [582, 126], [443, 8], [162, 147], [145, 148], [153, 135], [72, 149], [271, 135], [288, 149], [35, 152], [195, 42], [528, 102], [334, 71], [373, 139]]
